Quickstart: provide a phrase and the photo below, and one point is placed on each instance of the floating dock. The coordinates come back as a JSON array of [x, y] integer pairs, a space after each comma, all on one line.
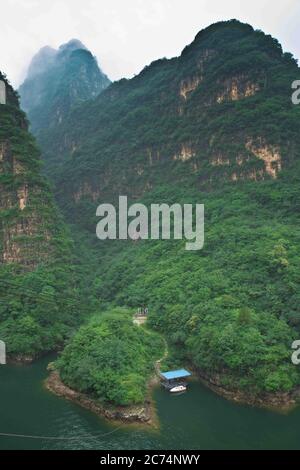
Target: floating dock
[[174, 378]]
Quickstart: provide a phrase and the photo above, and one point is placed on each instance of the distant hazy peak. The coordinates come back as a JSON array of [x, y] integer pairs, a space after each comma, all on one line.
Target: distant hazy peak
[[72, 45], [57, 79], [46, 55], [41, 61]]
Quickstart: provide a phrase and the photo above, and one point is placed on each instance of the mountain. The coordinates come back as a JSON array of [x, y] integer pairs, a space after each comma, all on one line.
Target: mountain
[[39, 64], [37, 287], [57, 80], [24, 195], [217, 113], [217, 126]]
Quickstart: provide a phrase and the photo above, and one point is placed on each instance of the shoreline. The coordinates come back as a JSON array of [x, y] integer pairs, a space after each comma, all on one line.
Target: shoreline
[[280, 402], [144, 414], [21, 360], [27, 359]]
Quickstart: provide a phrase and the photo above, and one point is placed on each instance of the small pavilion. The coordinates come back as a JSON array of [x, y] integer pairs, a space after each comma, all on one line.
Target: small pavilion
[[173, 378]]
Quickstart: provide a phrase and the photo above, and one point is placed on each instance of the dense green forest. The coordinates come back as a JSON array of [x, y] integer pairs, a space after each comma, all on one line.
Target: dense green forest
[[233, 307], [111, 359]]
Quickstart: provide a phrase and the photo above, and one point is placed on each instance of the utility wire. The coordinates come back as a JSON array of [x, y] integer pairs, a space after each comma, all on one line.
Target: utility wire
[[29, 292], [55, 438]]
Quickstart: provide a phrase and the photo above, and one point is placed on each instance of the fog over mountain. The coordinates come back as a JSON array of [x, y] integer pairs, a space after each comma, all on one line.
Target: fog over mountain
[[59, 79]]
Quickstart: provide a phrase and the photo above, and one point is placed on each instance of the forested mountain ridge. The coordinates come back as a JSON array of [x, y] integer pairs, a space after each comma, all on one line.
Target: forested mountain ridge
[[26, 238], [57, 80], [37, 288], [219, 112]]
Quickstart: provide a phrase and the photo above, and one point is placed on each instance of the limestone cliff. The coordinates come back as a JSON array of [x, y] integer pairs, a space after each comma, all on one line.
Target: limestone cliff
[[27, 214], [216, 114], [38, 306]]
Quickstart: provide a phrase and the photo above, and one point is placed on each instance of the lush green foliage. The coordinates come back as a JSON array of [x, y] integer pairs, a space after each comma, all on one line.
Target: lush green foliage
[[111, 358], [232, 308]]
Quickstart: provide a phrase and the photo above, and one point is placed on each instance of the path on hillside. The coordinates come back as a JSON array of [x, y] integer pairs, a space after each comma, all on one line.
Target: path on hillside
[[164, 356], [141, 322]]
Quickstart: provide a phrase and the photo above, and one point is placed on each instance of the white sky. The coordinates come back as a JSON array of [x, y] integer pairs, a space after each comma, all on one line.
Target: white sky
[[126, 35]]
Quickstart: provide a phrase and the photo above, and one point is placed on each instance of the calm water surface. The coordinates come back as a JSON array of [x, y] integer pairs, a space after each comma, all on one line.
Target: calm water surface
[[198, 419]]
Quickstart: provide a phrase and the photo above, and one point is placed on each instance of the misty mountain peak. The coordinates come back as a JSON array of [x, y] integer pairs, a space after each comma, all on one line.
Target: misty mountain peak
[[41, 61], [47, 56], [57, 80], [72, 45]]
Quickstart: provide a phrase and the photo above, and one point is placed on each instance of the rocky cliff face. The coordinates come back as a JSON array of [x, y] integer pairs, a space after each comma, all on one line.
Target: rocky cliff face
[[27, 213], [38, 300]]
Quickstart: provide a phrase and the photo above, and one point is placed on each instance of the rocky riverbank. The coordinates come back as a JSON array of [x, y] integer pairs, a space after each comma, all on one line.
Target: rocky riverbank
[[139, 414], [146, 413], [280, 401], [21, 359]]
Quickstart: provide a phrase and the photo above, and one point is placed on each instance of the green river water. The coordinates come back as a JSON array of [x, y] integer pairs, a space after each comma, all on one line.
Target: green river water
[[198, 419]]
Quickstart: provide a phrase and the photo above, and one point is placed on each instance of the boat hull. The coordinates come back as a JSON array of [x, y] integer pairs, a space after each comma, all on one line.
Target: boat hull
[[180, 388]]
